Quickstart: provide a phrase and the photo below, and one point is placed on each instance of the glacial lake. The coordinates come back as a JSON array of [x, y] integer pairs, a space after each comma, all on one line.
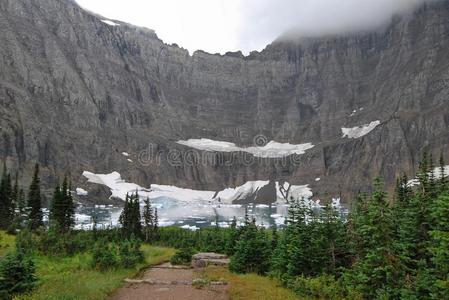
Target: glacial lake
[[188, 215]]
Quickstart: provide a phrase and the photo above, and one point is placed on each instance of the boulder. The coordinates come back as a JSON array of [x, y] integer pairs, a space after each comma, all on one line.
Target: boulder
[[201, 260]]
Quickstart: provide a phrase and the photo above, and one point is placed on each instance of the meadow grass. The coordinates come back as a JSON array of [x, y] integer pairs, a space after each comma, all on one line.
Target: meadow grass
[[250, 286], [72, 278]]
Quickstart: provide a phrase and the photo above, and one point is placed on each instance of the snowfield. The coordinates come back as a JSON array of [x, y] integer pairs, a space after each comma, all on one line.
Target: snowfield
[[359, 131], [271, 150], [229, 195], [119, 188]]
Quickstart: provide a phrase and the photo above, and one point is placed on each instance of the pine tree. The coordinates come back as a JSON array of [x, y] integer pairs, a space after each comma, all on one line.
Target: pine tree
[[274, 238], [130, 218], [333, 241], [6, 200], [137, 217], [377, 269], [69, 207], [439, 247], [15, 192], [231, 238], [34, 201], [442, 174], [21, 202], [148, 220], [252, 252], [56, 217], [156, 223]]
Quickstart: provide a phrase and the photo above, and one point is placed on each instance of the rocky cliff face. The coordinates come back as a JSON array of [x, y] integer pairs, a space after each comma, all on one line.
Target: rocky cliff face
[[76, 92]]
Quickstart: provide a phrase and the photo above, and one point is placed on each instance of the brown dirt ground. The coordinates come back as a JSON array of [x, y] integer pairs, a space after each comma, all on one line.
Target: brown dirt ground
[[144, 291]]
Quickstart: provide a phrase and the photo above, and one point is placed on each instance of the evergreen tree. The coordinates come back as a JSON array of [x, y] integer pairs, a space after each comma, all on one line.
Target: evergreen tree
[[6, 200], [15, 192], [56, 216], [377, 269], [69, 206], [156, 223], [232, 237], [21, 202], [274, 237], [34, 201], [130, 218], [442, 174], [252, 252], [62, 210], [333, 241], [148, 220], [439, 247]]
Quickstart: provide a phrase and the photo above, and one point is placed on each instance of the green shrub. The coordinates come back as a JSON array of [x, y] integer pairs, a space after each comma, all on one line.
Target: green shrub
[[25, 241], [322, 287], [130, 254], [16, 274], [104, 256], [182, 257], [53, 242]]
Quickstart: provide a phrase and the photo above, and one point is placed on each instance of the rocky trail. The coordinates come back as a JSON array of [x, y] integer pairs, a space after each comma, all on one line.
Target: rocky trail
[[167, 282]]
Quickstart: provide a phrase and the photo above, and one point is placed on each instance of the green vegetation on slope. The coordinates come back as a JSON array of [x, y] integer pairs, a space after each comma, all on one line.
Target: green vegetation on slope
[[74, 278], [249, 286]]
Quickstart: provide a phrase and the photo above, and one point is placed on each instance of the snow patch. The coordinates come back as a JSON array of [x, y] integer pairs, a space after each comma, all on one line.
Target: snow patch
[[81, 192], [288, 191], [359, 131], [191, 228], [437, 171], [271, 150], [317, 179], [231, 194], [119, 187], [110, 23]]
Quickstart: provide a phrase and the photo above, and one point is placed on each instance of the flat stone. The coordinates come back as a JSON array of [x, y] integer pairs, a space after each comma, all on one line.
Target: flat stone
[[202, 260]]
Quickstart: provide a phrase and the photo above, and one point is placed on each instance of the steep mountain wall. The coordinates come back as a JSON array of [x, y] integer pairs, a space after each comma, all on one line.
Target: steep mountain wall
[[76, 92]]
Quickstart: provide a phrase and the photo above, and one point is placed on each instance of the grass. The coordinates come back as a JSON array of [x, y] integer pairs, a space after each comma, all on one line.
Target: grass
[[249, 286], [72, 278], [6, 242]]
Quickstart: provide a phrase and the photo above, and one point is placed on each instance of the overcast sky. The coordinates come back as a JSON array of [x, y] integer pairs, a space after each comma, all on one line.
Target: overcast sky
[[230, 25]]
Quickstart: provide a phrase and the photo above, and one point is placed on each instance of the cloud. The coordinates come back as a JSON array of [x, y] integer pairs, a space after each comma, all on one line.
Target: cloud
[[230, 25], [267, 20]]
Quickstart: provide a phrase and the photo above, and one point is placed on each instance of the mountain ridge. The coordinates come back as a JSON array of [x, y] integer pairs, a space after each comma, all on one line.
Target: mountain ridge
[[76, 92]]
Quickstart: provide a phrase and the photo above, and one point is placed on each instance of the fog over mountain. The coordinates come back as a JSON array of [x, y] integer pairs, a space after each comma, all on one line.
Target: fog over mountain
[[231, 25]]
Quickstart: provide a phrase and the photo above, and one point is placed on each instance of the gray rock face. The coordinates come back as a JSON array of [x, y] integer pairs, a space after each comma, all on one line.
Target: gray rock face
[[75, 93]]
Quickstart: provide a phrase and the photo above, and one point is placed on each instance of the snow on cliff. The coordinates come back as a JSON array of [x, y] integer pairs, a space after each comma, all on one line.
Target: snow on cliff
[[271, 150], [110, 23], [119, 189], [359, 131]]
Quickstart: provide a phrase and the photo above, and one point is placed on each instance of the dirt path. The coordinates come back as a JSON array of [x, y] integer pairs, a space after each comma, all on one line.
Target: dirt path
[[165, 282]]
